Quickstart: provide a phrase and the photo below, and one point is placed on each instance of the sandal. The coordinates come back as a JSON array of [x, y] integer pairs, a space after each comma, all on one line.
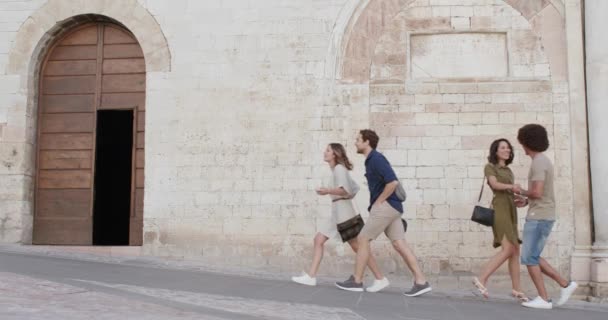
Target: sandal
[[519, 296], [480, 287]]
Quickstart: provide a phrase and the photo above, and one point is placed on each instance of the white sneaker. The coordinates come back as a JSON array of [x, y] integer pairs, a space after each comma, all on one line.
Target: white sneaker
[[378, 285], [566, 292], [538, 303], [305, 279]]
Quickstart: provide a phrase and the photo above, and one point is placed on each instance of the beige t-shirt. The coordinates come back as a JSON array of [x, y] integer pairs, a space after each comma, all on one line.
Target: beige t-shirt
[[541, 169]]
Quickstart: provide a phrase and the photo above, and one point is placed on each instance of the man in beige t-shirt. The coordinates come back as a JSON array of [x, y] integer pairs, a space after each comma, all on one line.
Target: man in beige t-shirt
[[540, 218], [542, 208]]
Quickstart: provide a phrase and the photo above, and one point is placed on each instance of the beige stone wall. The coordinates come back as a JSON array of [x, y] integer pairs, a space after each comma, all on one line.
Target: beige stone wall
[[243, 96], [16, 172]]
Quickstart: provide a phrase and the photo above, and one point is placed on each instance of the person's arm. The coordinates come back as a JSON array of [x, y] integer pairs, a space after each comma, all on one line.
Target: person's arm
[[537, 181], [497, 186], [342, 189], [332, 191], [536, 191], [389, 188], [490, 173], [384, 169]]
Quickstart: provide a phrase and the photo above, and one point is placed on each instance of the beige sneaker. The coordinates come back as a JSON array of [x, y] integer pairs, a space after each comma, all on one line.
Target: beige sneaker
[[305, 279], [378, 285]]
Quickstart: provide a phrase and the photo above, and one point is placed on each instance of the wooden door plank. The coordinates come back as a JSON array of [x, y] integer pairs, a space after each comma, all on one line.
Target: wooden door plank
[[139, 178], [66, 68], [139, 158], [67, 122], [141, 121], [141, 140], [123, 100], [67, 103], [124, 83], [65, 159], [124, 66], [69, 85], [56, 231], [83, 36], [114, 35], [65, 179], [63, 203], [74, 53], [66, 141], [116, 51], [139, 203], [136, 230]]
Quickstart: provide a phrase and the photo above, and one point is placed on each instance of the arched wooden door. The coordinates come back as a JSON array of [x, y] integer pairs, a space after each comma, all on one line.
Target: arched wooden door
[[94, 73]]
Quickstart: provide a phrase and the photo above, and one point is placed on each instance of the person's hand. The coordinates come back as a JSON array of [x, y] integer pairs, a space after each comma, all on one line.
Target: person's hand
[[516, 188], [377, 203], [520, 202], [322, 191]]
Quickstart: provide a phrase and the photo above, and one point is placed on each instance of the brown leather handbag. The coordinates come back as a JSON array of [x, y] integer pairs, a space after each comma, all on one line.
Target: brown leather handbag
[[350, 228]]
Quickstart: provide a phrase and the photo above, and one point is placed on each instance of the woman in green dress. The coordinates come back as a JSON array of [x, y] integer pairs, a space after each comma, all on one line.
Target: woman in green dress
[[500, 178]]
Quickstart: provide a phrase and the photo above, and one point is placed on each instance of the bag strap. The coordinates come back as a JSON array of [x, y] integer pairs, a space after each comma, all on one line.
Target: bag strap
[[483, 182], [481, 191], [355, 206]]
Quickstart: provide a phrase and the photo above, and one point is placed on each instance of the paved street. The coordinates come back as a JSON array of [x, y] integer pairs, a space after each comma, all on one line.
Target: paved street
[[34, 286]]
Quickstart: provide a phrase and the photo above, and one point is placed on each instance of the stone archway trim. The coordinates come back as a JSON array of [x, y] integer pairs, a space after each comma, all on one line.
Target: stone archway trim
[[129, 12], [350, 61], [349, 13]]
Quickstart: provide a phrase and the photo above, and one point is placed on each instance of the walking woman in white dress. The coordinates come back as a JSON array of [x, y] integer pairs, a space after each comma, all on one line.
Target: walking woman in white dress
[[342, 191]]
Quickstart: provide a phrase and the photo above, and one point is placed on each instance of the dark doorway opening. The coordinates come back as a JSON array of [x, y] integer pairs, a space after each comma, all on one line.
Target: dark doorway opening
[[113, 177]]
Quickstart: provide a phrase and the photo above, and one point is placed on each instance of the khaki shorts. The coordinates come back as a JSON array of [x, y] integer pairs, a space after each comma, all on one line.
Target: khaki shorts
[[383, 218]]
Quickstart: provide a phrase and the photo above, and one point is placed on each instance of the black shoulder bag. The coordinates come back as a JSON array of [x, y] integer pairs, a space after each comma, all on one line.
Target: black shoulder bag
[[483, 215]]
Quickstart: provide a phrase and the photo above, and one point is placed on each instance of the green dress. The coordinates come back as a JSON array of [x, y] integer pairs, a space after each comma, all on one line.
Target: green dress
[[505, 212]]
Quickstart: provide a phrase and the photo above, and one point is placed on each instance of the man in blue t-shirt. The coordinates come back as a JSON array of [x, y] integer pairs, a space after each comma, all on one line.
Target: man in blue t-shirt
[[385, 212]]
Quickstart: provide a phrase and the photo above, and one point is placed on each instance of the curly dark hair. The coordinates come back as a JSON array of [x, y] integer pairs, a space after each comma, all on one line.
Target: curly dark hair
[[371, 136], [533, 137], [493, 158], [341, 157]]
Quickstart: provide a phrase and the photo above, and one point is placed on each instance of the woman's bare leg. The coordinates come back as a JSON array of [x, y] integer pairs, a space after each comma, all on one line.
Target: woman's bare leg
[[514, 269], [497, 260], [319, 244]]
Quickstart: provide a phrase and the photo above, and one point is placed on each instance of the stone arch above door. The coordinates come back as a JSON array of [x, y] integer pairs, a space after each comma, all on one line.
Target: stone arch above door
[[360, 26], [54, 15]]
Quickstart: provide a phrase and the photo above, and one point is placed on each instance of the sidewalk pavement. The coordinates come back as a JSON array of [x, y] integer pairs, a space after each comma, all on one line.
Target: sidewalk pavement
[[43, 283]]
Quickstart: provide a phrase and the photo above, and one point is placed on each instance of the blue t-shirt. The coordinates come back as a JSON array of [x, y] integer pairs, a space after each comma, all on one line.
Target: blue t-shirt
[[378, 173]]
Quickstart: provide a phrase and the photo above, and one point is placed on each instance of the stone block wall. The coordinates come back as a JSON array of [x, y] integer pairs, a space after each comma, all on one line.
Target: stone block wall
[[238, 117]]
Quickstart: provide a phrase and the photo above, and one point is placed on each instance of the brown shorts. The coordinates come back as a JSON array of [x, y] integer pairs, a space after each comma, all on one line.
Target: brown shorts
[[383, 218]]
